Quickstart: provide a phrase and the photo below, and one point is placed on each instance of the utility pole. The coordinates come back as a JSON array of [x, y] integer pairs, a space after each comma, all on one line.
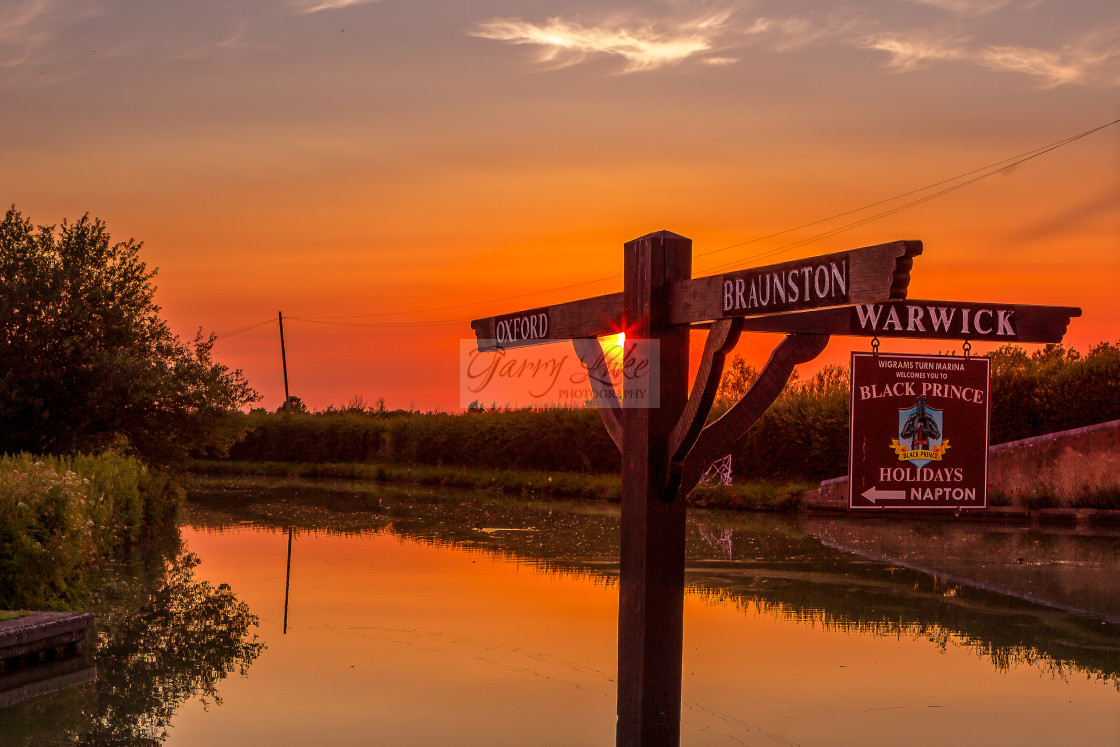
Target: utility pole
[[283, 359]]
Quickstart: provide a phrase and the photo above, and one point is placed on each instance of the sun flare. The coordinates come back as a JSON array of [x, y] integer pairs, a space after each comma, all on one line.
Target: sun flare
[[613, 345]]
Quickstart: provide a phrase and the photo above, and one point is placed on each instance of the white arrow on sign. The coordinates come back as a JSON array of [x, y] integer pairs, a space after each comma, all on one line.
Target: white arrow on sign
[[874, 494]]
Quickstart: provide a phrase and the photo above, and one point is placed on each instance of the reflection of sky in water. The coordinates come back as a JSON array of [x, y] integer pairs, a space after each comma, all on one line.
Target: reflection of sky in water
[[399, 641]]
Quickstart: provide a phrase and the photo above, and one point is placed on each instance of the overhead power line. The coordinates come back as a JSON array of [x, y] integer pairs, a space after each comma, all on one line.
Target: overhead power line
[[243, 329], [954, 183], [981, 173], [329, 320], [999, 165]]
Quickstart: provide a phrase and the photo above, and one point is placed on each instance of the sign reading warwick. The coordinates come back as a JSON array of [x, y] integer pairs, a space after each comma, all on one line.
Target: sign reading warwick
[[919, 431]]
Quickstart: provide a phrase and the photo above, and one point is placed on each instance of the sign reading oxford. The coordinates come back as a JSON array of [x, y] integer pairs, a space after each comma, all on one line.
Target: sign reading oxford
[[919, 431], [524, 327]]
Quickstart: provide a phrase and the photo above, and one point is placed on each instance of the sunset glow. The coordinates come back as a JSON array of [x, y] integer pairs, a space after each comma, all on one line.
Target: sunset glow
[[383, 172]]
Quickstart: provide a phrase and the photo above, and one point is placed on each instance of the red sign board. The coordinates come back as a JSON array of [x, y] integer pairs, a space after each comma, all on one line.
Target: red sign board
[[919, 431]]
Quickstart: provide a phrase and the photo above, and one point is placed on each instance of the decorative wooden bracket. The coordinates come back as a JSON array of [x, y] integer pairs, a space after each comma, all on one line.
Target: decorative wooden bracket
[[692, 445], [590, 354], [714, 440], [722, 337]]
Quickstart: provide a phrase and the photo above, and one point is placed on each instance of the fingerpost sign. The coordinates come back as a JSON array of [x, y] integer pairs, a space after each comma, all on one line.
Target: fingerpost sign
[[667, 442]]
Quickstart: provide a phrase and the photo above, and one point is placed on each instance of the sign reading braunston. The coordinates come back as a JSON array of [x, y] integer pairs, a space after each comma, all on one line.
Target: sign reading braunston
[[919, 431]]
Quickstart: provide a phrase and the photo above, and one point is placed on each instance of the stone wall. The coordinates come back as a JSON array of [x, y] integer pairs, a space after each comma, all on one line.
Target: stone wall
[[1059, 470]]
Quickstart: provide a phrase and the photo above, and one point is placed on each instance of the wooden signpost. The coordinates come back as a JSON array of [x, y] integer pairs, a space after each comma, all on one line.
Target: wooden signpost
[[666, 448]]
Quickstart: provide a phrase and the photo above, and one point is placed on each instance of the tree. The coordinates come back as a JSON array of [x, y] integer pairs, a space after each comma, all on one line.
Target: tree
[[86, 361], [292, 404], [736, 380]]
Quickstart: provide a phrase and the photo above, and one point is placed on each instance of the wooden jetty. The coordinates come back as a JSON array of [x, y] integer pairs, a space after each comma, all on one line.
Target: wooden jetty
[[28, 639]]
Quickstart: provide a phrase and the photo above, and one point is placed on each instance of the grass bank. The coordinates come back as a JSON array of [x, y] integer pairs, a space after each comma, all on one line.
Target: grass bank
[[60, 517], [756, 496]]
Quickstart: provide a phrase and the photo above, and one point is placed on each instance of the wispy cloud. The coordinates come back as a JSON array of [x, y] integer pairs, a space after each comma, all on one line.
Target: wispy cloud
[[720, 38], [314, 6], [912, 52], [1086, 61], [966, 7], [234, 41], [641, 46], [25, 26], [1051, 67]]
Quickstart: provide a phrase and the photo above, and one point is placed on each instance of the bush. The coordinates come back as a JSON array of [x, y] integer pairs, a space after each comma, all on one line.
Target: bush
[[59, 517], [1053, 389], [301, 437], [804, 434], [548, 439], [568, 440]]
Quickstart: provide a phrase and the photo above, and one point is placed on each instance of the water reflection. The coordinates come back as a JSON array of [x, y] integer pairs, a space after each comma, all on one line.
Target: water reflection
[[796, 632], [855, 577], [163, 637], [1074, 570]]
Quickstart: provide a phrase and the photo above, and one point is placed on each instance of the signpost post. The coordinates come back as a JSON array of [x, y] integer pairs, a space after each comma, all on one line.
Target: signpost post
[[665, 440]]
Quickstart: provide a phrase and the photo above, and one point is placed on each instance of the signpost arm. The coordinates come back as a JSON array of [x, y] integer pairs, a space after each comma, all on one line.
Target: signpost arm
[[651, 585], [718, 436], [590, 353]]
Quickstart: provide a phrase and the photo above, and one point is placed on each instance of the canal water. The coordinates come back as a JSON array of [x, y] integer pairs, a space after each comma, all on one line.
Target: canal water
[[425, 617]]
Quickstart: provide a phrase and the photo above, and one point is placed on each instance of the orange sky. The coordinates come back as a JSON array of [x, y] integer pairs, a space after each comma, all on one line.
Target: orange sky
[[334, 158]]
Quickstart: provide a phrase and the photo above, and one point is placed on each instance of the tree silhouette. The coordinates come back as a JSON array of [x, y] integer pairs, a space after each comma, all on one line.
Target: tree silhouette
[[86, 361]]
